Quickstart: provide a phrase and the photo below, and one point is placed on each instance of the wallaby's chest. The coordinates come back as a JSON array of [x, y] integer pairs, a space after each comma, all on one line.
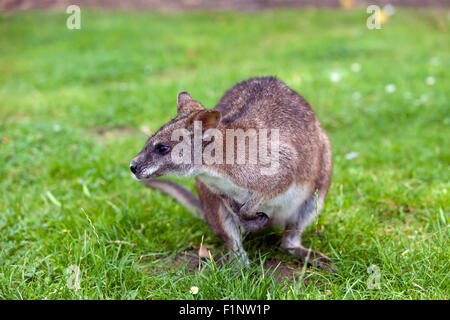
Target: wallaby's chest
[[280, 208], [224, 186]]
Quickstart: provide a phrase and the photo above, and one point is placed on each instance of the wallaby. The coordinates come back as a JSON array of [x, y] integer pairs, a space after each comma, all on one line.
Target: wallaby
[[235, 198]]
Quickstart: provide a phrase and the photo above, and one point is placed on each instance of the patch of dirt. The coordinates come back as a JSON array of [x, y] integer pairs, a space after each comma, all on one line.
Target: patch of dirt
[[189, 261], [283, 271], [194, 5]]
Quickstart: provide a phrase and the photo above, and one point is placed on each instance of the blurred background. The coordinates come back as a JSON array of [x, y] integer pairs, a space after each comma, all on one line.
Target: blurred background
[[76, 105], [177, 5]]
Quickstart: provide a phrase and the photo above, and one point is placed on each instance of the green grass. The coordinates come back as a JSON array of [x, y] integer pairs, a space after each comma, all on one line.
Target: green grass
[[66, 196]]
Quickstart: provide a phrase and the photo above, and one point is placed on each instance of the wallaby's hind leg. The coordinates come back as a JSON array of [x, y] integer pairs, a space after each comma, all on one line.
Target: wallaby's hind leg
[[221, 221], [292, 237]]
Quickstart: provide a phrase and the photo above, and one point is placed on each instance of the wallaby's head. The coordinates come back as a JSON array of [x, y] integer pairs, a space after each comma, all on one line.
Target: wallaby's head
[[156, 158]]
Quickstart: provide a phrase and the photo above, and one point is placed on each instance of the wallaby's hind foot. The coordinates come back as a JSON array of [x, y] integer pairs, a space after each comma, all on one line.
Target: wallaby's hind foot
[[313, 258], [292, 242]]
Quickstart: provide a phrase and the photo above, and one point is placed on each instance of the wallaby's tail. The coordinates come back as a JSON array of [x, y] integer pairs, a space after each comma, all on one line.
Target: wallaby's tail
[[177, 192]]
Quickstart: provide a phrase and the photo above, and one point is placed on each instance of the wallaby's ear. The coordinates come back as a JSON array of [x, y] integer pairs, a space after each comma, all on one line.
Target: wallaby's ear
[[209, 118], [186, 105], [182, 98]]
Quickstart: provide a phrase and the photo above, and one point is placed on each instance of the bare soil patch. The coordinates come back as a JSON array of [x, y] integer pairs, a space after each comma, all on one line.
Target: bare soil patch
[[189, 261]]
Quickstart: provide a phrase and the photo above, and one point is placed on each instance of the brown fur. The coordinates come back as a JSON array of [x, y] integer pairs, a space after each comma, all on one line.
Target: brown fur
[[305, 162]]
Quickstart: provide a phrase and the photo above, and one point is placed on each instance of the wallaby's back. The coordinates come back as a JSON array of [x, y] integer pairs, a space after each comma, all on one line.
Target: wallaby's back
[[268, 103]]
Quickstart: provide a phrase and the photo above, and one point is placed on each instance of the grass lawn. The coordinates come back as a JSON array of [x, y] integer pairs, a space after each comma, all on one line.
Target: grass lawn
[[76, 106]]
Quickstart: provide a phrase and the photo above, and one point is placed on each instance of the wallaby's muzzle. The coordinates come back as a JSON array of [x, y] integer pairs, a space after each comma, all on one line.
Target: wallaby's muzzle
[[140, 168]]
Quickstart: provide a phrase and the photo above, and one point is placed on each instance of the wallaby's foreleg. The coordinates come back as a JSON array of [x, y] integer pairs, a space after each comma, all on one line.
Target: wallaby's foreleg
[[222, 222], [248, 210], [291, 242], [259, 222]]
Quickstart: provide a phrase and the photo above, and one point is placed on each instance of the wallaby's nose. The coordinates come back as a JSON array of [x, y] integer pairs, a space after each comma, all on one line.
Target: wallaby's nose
[[133, 168]]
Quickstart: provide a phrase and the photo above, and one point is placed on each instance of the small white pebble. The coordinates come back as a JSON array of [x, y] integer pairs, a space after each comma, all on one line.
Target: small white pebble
[[351, 155], [390, 88], [430, 81], [335, 77]]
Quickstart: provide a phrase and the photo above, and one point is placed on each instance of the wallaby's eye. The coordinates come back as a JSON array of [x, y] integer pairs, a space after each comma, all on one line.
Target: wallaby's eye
[[162, 148]]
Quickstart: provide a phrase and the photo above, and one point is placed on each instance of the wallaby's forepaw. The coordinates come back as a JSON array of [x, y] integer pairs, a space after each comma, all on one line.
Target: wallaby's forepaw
[[258, 222], [262, 216], [314, 258], [247, 211], [247, 216]]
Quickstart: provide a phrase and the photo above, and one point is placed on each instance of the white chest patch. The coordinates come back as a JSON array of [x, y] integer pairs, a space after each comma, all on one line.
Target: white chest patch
[[280, 209], [224, 186]]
